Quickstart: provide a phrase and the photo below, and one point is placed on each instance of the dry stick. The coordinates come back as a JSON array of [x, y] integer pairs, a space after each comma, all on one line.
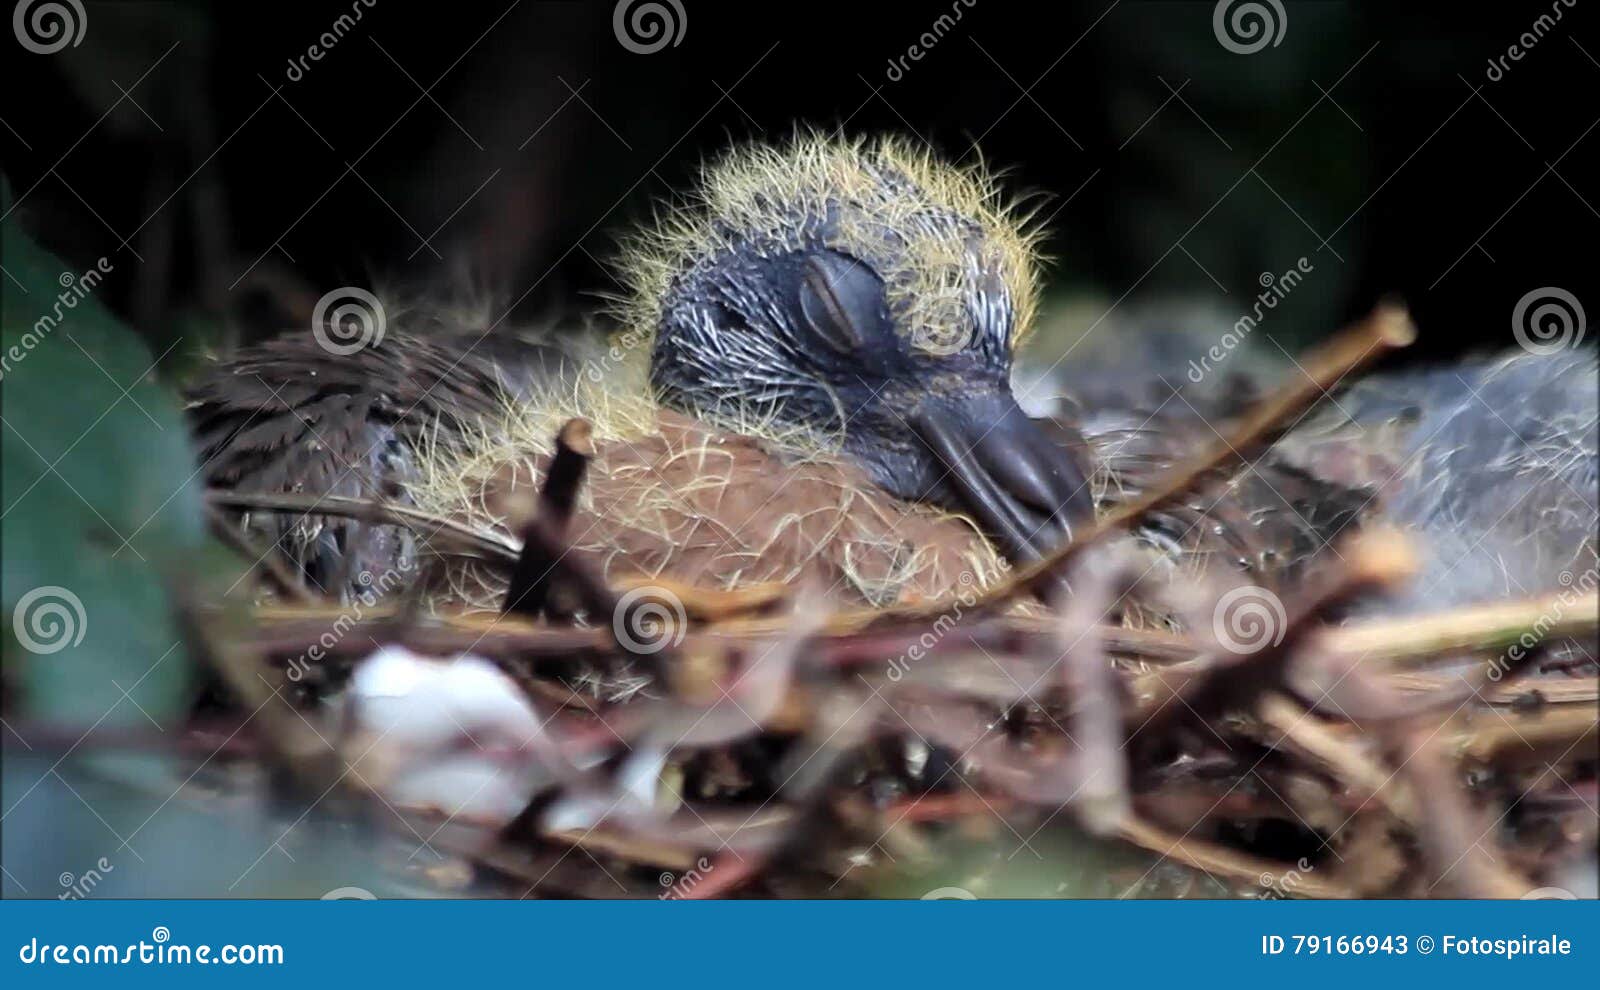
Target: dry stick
[[1453, 838], [1569, 730], [215, 640], [293, 629], [716, 604], [1387, 328], [1409, 640], [727, 872], [607, 841], [591, 588], [709, 604], [486, 542], [281, 631], [1547, 692], [1221, 861], [1373, 559], [1300, 731], [1090, 680], [529, 588], [267, 563]]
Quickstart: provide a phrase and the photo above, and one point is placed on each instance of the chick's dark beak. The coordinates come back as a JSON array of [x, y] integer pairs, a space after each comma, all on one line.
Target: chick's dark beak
[[1018, 477]]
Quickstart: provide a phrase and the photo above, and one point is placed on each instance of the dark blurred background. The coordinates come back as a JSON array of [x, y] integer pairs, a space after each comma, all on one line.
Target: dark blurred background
[[497, 148]]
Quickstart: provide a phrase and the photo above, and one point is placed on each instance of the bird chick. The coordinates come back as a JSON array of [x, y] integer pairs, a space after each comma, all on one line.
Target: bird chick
[[853, 300], [869, 293]]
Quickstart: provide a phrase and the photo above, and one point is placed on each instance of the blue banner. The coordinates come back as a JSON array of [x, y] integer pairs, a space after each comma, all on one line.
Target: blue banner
[[745, 944]]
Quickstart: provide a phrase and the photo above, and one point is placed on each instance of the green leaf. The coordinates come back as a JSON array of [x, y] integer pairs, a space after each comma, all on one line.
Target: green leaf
[[101, 502]]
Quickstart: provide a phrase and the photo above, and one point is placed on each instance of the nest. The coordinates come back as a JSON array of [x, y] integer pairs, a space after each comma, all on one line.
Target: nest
[[794, 744]]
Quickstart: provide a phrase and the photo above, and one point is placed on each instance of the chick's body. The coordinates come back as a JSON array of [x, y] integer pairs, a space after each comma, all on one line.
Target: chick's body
[[462, 426]]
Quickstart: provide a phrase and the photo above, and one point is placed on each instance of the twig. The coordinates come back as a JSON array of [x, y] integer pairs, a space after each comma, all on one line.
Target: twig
[[268, 563], [1453, 839], [486, 542], [1387, 328], [1220, 861], [1411, 640], [216, 642], [1304, 733], [529, 587], [1533, 737], [1374, 559]]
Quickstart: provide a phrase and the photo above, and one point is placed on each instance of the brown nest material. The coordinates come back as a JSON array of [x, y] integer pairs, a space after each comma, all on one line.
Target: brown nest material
[[793, 745]]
